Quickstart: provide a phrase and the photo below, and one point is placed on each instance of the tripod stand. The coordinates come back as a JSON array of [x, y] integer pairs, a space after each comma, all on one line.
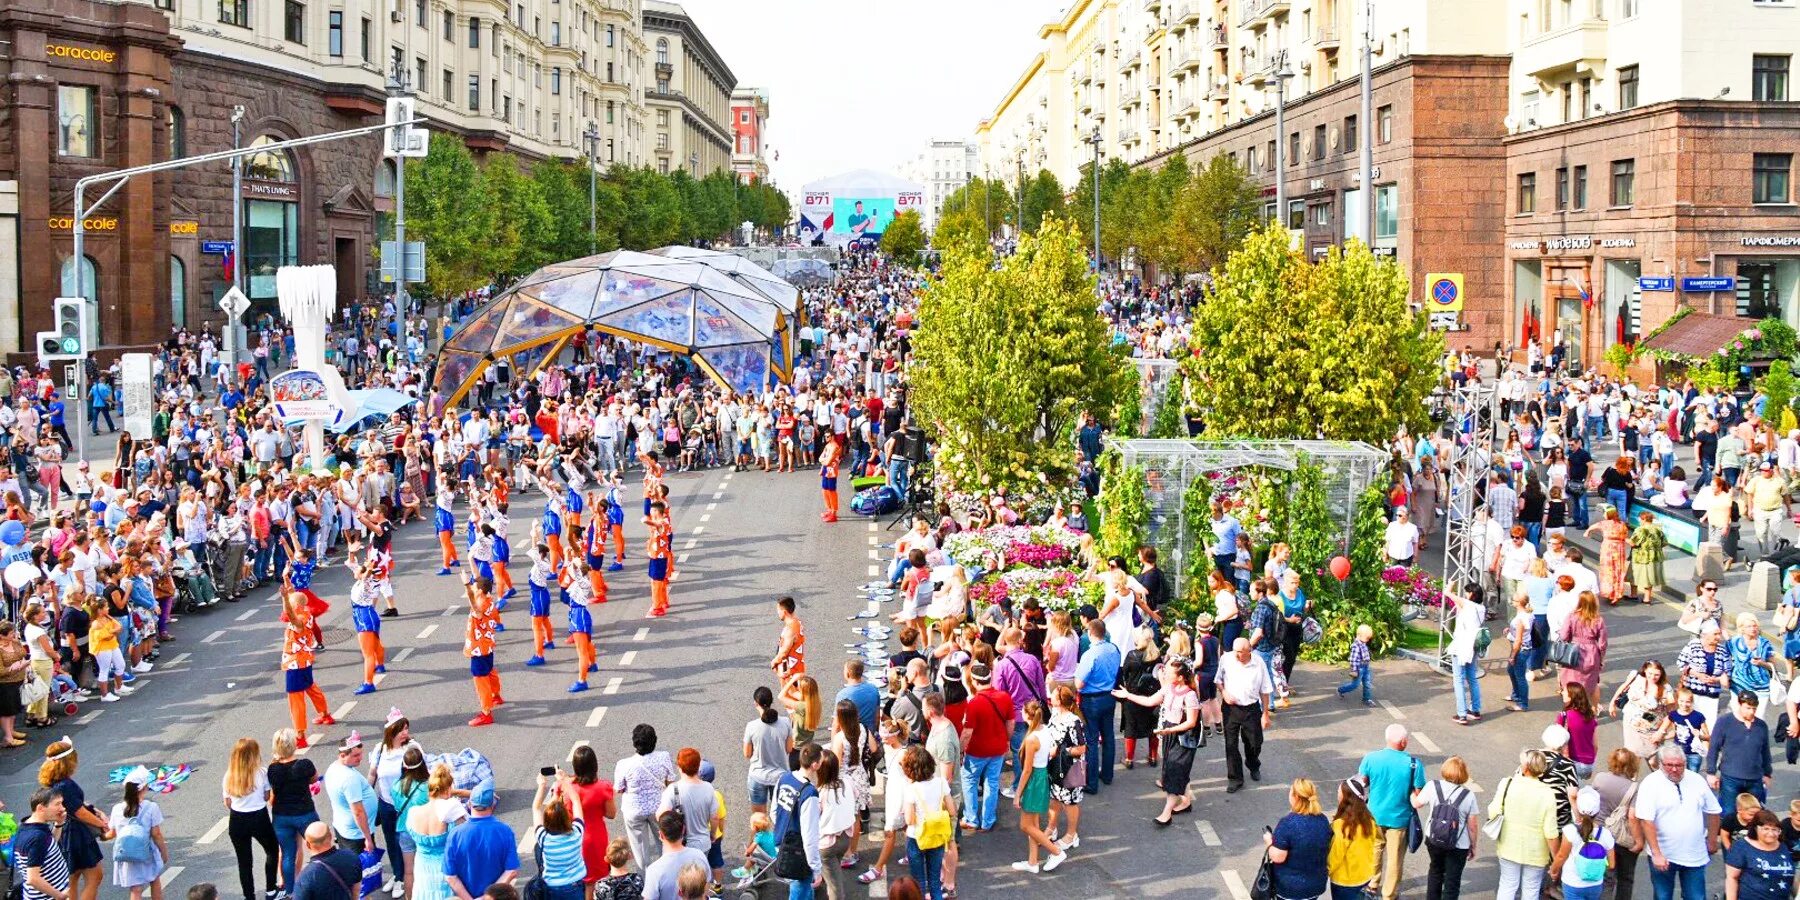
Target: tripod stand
[[918, 503]]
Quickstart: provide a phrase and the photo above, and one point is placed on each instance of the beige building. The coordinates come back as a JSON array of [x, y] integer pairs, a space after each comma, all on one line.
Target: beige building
[[688, 96], [945, 166]]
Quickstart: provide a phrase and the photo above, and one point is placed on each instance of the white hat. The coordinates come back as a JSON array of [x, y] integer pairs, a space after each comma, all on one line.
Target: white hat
[[1587, 801], [1555, 736], [139, 776]]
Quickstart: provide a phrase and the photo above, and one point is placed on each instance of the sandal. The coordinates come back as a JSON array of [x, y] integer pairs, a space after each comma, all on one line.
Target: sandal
[[17, 742], [871, 876]]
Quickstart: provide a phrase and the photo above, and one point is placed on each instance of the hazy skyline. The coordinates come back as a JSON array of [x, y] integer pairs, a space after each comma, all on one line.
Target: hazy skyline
[[840, 99]]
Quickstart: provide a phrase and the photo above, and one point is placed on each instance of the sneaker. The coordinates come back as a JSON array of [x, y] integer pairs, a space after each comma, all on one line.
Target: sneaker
[[126, 690], [578, 687], [444, 571], [398, 890], [1054, 861], [480, 720], [614, 567], [324, 719], [849, 862], [128, 678], [1008, 793], [364, 688], [387, 883], [110, 698], [535, 661], [390, 613], [381, 669], [871, 876], [1070, 843], [1023, 866]]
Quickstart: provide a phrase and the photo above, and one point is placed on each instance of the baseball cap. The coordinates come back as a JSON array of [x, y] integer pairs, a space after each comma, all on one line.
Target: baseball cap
[[483, 795], [1709, 627]]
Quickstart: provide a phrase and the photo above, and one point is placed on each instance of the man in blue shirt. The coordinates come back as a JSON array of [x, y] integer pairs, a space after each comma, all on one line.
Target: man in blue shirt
[[1394, 777], [100, 399], [482, 851], [1225, 530], [865, 695], [1095, 677]]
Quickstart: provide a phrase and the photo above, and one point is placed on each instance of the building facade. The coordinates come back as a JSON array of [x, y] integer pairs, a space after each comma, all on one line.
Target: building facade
[[689, 95], [749, 116], [945, 166]]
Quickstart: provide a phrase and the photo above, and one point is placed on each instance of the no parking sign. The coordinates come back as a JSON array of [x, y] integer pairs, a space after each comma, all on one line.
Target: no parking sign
[[1444, 298]]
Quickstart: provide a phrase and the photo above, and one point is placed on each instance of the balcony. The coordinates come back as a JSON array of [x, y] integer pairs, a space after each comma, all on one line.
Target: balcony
[[1187, 59], [1219, 90], [1153, 6], [1131, 62], [1258, 13], [1187, 12], [1580, 48], [1085, 103], [1130, 100], [1185, 108], [1214, 37], [1128, 137], [1259, 72], [1327, 37]]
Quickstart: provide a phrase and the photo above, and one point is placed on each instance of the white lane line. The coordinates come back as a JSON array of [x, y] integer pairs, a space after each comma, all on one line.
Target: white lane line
[[379, 678], [704, 517], [171, 873], [691, 544], [629, 658], [879, 890], [612, 685], [874, 554], [1235, 885], [176, 661], [1208, 836], [246, 615], [871, 526], [718, 494], [451, 610], [402, 655], [89, 717], [427, 632], [874, 570], [212, 637], [641, 634], [872, 540], [1473, 787], [215, 832], [711, 506], [682, 559], [344, 710], [699, 529], [595, 716], [1429, 744], [1392, 710], [312, 740]]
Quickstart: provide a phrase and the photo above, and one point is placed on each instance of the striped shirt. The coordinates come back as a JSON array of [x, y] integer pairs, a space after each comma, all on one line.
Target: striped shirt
[[563, 863], [35, 845]]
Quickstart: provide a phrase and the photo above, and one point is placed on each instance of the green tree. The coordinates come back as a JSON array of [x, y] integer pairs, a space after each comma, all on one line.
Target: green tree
[[653, 205], [525, 232], [991, 202], [1335, 353], [1043, 197], [450, 208], [1008, 358], [904, 238], [564, 187], [1212, 213], [962, 229], [1124, 507]]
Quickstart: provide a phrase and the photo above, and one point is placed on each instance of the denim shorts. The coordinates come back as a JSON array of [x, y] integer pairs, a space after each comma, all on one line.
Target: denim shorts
[[407, 844], [759, 792]]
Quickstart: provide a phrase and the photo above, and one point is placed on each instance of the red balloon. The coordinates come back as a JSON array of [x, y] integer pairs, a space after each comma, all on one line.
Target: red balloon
[[1340, 568]]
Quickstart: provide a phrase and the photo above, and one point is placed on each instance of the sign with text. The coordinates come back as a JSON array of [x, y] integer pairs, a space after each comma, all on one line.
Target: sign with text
[[138, 386], [1656, 282], [302, 394], [1444, 292], [1705, 284], [215, 248]]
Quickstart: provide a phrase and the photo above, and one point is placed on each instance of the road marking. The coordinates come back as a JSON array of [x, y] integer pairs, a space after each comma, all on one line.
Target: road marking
[[1429, 744], [246, 615], [402, 655], [178, 660], [1393, 710], [581, 743], [451, 611], [595, 716], [704, 517], [691, 544], [711, 506], [871, 526], [698, 529], [879, 890], [1208, 836], [1235, 885], [344, 710], [874, 570], [682, 559], [612, 685], [872, 540], [89, 717], [171, 873], [874, 554], [1473, 787], [212, 637], [379, 678], [215, 832], [641, 634], [629, 658], [718, 494], [427, 632]]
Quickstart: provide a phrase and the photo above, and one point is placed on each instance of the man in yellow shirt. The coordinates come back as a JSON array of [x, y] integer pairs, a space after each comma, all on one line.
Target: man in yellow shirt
[[1768, 505], [1528, 833]]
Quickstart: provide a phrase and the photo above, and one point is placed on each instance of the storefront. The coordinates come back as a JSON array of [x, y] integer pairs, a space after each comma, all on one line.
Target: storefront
[[1577, 292]]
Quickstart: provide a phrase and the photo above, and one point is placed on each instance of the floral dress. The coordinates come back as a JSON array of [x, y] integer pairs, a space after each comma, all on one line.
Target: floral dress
[[1065, 729], [1615, 558], [1647, 543]]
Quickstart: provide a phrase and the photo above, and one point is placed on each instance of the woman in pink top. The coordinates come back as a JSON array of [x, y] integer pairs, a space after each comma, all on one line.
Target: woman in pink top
[[1578, 717], [1062, 650]]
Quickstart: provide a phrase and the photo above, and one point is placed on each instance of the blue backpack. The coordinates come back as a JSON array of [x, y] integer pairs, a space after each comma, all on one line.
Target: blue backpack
[[131, 842], [876, 501]]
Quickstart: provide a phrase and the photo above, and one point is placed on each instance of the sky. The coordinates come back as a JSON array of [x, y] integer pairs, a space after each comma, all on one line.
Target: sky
[[867, 85]]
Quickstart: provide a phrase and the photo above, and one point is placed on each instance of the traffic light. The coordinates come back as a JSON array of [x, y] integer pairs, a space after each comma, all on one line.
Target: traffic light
[[67, 337], [404, 140]]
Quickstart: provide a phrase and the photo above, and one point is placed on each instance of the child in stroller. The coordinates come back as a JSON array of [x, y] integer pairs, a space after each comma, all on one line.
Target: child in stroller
[[758, 871]]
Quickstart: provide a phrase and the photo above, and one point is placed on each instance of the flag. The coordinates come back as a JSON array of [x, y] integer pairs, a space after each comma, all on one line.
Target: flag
[[229, 261]]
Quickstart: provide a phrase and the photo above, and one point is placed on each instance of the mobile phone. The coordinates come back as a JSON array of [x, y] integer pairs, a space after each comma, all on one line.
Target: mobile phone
[[548, 771]]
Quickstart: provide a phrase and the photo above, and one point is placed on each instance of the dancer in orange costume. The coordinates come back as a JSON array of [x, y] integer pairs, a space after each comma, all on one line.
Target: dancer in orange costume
[[653, 479], [552, 530], [790, 655], [478, 646], [662, 566], [503, 582], [445, 520], [578, 593], [593, 549], [615, 522], [573, 506], [298, 645], [828, 479], [363, 591], [542, 575]]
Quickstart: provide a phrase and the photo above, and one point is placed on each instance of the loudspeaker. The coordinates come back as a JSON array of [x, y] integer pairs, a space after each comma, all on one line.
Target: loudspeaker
[[912, 444]]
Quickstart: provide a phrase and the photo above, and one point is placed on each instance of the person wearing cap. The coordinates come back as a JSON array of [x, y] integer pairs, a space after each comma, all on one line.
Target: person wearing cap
[[1738, 759], [482, 851], [139, 811], [1585, 853], [352, 796], [1769, 505]]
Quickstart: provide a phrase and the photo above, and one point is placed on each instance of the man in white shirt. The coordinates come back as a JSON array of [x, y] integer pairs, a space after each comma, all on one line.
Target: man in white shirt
[[1244, 689], [1585, 579], [1401, 541], [1680, 819]]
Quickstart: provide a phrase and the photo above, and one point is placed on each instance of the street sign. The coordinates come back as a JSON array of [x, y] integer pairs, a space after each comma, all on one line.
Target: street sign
[[415, 261], [1444, 292], [1708, 283], [1444, 321], [1656, 282], [215, 248], [234, 303]]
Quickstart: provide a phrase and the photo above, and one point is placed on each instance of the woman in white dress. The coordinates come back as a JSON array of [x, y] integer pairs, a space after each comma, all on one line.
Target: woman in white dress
[[150, 853], [1123, 594]]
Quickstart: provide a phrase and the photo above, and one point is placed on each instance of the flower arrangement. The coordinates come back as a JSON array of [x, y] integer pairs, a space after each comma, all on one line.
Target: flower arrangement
[[1015, 545], [1054, 589], [1412, 586]]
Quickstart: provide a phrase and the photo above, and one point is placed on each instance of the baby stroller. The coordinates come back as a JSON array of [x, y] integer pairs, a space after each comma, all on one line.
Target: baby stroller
[[756, 879]]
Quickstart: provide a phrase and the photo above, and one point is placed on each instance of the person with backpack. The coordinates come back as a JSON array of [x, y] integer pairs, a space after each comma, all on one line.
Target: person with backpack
[[1586, 852], [1618, 788], [139, 852], [1450, 814]]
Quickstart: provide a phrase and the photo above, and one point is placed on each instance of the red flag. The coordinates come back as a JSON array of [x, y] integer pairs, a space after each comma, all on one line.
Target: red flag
[[229, 262]]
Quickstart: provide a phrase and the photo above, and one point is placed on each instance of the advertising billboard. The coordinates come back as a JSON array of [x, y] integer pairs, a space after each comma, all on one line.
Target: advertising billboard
[[854, 206], [862, 217]]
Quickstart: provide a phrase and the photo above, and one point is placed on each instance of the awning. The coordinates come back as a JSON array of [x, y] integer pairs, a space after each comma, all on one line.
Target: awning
[[1699, 334]]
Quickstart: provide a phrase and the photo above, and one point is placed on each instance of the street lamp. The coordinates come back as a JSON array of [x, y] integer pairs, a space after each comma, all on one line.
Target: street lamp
[[398, 85], [1095, 139], [1282, 74], [592, 135]]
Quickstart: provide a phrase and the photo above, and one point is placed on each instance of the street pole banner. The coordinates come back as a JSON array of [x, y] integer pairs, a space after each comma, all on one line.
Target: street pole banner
[[302, 394], [137, 384]]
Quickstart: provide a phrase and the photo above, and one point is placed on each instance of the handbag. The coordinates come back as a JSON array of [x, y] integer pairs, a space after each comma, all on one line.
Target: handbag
[[1415, 830], [1778, 692], [1311, 632], [1263, 887], [32, 690], [537, 888], [1493, 825], [1565, 653]]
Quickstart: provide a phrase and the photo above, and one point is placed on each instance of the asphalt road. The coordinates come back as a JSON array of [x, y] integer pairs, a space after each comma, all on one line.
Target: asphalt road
[[743, 539]]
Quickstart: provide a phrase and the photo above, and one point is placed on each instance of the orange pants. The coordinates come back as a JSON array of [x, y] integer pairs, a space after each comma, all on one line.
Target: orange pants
[[373, 654], [448, 544], [556, 554], [542, 632], [659, 595], [572, 533], [584, 654], [487, 690], [502, 579], [618, 536], [297, 707], [598, 580], [831, 503]]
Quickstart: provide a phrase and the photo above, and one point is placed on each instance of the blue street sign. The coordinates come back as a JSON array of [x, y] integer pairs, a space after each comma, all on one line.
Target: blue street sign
[[1656, 282], [215, 248], [1709, 283]]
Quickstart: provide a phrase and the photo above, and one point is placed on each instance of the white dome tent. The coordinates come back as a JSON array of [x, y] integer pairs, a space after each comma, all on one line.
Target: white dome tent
[[855, 206]]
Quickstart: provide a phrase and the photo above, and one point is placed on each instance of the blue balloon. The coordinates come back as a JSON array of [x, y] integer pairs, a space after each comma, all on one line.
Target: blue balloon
[[13, 532], [97, 506]]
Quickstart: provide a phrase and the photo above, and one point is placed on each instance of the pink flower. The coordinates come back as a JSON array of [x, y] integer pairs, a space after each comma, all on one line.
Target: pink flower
[[1738, 344]]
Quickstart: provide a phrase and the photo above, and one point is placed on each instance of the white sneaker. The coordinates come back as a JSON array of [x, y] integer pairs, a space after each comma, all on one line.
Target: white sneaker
[[399, 889], [1069, 843], [1008, 793], [110, 698], [142, 667], [1023, 866], [126, 689], [1054, 861]]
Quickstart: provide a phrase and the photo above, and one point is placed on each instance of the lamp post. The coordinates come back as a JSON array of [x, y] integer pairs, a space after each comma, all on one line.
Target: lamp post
[[1281, 76], [1367, 158], [398, 86], [592, 135], [1094, 139]]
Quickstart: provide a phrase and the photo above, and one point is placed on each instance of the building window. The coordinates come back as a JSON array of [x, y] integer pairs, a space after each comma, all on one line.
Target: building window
[[474, 93], [1350, 134], [1318, 142], [177, 291], [1587, 97], [506, 108], [449, 25], [75, 117], [1624, 188], [1562, 189], [662, 85], [743, 117], [1579, 192], [555, 80], [177, 124], [1384, 120], [662, 165], [662, 51], [1628, 9], [609, 35], [294, 22], [1293, 148], [1769, 177], [474, 33], [271, 240], [420, 13], [609, 112], [1628, 87], [1769, 77], [1568, 101], [556, 34], [609, 73], [368, 39], [1296, 217], [1322, 215], [420, 76], [234, 12], [334, 32], [1387, 214], [449, 89], [662, 118], [1527, 193]]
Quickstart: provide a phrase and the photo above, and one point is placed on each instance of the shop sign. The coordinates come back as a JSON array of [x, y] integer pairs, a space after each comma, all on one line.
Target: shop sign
[[1706, 284], [1525, 245], [1617, 243], [1316, 184], [91, 223], [85, 54], [1774, 240], [1656, 282], [1385, 252], [276, 189], [215, 248], [1569, 243], [184, 228]]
